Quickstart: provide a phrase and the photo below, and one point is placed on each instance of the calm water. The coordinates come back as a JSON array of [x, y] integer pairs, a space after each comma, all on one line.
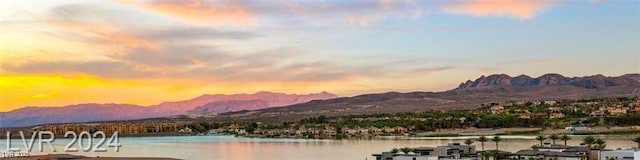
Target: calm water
[[232, 148]]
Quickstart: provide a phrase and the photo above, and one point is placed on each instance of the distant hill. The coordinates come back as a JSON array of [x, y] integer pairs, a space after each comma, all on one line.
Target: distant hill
[[468, 95], [109, 112], [588, 82]]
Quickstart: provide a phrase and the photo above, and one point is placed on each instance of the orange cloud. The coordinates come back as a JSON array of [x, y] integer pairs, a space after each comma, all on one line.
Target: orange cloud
[[520, 9], [109, 37], [202, 12]]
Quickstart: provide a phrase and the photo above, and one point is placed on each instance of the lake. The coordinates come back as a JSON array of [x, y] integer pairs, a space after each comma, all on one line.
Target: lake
[[239, 148]]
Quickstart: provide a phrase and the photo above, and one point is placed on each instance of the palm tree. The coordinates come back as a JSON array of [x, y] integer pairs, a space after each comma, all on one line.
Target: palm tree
[[600, 144], [468, 142], [565, 138], [482, 139], [406, 150], [541, 138], [535, 147], [496, 139], [394, 150], [637, 140], [553, 138], [589, 140], [488, 155]]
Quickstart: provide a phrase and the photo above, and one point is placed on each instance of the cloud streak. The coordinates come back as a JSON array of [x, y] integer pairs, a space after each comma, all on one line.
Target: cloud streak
[[519, 9], [215, 13]]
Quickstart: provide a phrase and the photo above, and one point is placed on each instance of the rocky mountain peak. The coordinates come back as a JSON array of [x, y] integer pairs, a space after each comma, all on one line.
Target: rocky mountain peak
[[589, 82]]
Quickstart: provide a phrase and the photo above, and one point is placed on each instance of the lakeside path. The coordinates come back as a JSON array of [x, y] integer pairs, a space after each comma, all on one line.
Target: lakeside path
[[74, 157]]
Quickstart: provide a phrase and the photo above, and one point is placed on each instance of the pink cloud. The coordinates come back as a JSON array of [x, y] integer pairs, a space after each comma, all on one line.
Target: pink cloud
[[216, 13], [520, 9]]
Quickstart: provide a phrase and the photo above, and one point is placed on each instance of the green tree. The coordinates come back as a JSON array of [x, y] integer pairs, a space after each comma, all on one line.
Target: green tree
[[589, 140], [535, 147], [637, 140], [553, 138], [482, 139], [600, 144], [468, 142], [488, 154], [496, 139], [565, 138], [394, 150], [406, 150], [541, 138], [251, 127]]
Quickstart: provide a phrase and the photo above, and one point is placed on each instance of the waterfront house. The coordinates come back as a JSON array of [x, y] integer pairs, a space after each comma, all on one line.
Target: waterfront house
[[399, 129], [556, 115], [555, 109], [301, 131], [591, 153], [375, 130], [497, 109], [425, 151], [559, 152], [329, 131], [597, 113], [550, 102], [523, 113], [553, 147], [362, 131], [630, 154], [348, 131], [452, 151], [388, 130], [616, 111], [185, 130], [547, 155], [636, 108], [536, 103]]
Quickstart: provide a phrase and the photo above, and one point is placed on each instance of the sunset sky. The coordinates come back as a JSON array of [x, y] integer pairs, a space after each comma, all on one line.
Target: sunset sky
[[144, 52]]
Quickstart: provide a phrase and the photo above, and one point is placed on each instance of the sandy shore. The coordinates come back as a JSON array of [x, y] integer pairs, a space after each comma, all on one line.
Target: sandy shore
[[74, 157]]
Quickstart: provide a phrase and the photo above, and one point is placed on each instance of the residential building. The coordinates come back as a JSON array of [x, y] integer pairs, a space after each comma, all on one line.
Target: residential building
[[616, 111], [591, 153], [552, 147], [497, 109], [597, 113], [555, 109], [523, 113], [556, 115], [631, 154], [452, 151], [547, 155], [550, 102]]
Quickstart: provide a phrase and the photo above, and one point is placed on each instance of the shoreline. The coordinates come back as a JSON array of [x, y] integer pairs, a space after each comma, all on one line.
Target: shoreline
[[439, 134]]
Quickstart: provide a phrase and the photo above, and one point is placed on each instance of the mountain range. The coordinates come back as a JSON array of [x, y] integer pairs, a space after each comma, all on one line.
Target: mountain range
[[279, 107], [211, 104], [468, 95], [589, 82]]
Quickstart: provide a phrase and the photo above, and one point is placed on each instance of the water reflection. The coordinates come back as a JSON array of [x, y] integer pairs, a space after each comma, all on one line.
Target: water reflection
[[232, 148]]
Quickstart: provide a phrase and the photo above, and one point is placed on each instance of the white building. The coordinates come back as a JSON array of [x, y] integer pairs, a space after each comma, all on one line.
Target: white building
[[632, 154]]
